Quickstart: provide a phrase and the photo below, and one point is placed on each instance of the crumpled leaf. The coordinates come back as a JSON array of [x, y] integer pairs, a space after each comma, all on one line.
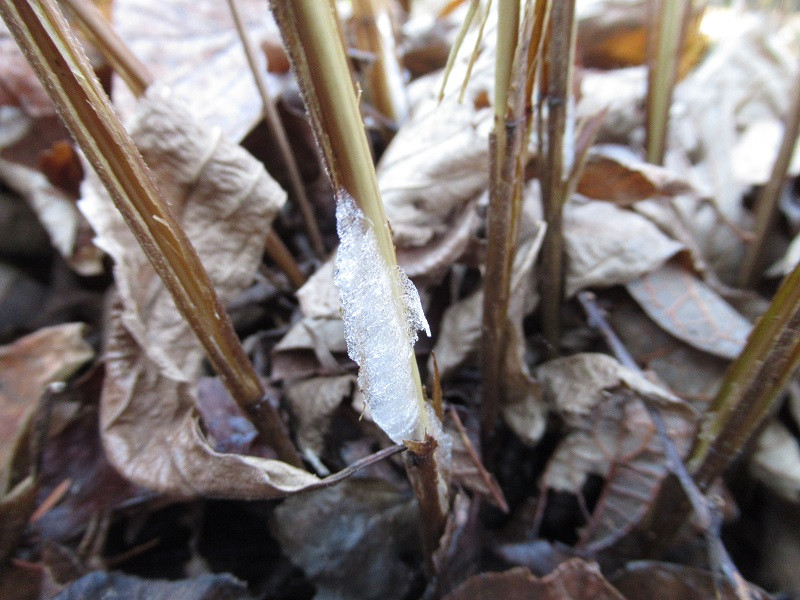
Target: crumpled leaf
[[27, 367], [351, 539], [776, 461], [574, 579], [58, 214], [313, 402], [621, 93], [308, 349], [607, 245], [101, 585], [691, 311], [744, 79], [756, 150], [195, 49], [226, 202], [788, 262], [649, 580], [611, 434], [616, 174], [438, 161]]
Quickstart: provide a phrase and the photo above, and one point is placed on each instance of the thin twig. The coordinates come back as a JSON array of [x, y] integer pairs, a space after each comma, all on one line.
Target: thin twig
[[278, 132]]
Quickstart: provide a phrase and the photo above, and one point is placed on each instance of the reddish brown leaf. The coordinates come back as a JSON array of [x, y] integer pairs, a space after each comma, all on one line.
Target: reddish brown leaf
[[691, 311], [572, 580], [662, 581]]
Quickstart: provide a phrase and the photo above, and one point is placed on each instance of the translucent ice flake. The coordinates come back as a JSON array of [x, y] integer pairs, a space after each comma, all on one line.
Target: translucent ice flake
[[380, 325]]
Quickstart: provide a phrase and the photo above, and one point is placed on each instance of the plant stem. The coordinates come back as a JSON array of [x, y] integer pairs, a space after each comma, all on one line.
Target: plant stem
[[517, 55], [749, 394], [311, 34], [125, 63], [42, 33], [385, 85], [554, 178], [278, 133], [767, 203], [664, 48], [752, 384]]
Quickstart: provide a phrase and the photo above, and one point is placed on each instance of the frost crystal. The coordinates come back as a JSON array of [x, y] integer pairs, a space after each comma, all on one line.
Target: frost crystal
[[379, 330]]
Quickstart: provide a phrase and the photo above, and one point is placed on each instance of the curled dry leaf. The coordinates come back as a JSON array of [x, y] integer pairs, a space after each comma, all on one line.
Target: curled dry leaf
[[574, 579], [607, 245], [776, 461], [744, 79], [27, 367], [58, 214], [195, 49], [226, 203], [691, 311], [621, 93], [612, 33], [617, 174], [438, 161], [646, 580], [350, 539], [611, 435], [312, 403], [99, 585]]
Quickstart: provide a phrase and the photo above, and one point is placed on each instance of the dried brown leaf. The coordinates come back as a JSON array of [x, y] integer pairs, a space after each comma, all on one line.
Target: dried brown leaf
[[645, 580], [226, 203], [58, 214], [26, 368], [100, 584], [611, 435], [308, 349], [438, 161], [685, 370], [312, 403], [691, 311], [607, 245], [195, 49], [574, 579], [776, 461], [616, 174], [351, 539]]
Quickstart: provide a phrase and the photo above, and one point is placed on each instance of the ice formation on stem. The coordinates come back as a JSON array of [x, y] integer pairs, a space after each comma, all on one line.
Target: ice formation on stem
[[382, 313]]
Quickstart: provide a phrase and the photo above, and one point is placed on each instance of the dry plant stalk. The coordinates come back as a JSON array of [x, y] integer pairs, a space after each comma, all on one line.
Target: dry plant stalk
[[43, 34], [311, 33], [278, 132], [664, 49], [385, 85], [555, 180], [749, 394], [517, 51], [767, 203]]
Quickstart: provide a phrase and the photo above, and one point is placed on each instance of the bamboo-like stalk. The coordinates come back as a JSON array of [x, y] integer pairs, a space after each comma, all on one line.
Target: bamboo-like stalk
[[384, 82], [311, 33], [278, 132], [752, 385], [664, 46], [767, 204], [43, 34], [518, 49], [554, 178]]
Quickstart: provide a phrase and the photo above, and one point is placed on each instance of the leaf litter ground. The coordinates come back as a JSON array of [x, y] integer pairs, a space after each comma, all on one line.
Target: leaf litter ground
[[143, 477]]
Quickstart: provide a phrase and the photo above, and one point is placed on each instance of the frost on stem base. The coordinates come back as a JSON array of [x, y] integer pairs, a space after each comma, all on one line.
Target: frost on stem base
[[380, 325]]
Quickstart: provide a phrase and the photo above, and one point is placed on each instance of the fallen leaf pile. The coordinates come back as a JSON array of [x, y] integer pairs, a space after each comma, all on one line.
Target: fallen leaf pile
[[127, 469]]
